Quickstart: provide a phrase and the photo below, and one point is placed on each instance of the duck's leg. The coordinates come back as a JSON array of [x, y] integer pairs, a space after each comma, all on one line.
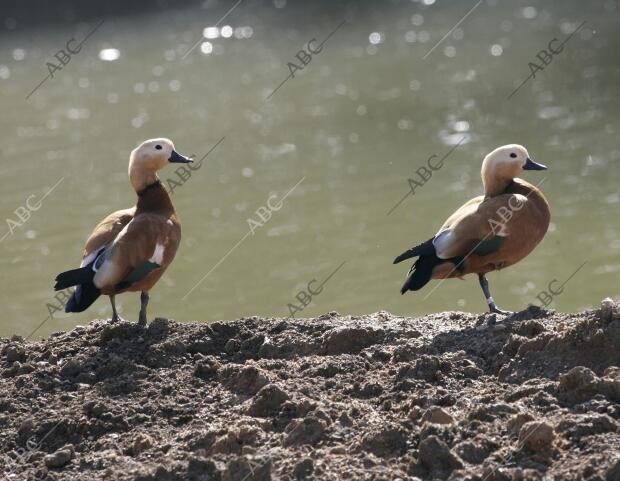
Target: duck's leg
[[115, 317], [144, 300], [487, 295]]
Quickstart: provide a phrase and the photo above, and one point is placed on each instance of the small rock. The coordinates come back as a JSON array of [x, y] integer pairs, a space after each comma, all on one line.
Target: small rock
[[608, 309], [533, 345], [27, 368], [471, 451], [267, 401], [86, 377], [141, 442], [159, 328], [578, 385], [613, 473], [427, 368], [610, 383], [415, 413], [350, 340], [305, 431], [370, 390], [499, 473], [15, 353], [303, 468], [490, 412], [245, 380], [513, 344], [516, 422], [26, 428], [472, 372], [385, 442], [71, 368], [236, 440], [437, 415], [201, 346], [241, 469], [207, 368], [199, 469], [531, 328], [435, 455], [582, 425], [232, 346], [60, 457], [95, 409], [345, 420], [537, 436]]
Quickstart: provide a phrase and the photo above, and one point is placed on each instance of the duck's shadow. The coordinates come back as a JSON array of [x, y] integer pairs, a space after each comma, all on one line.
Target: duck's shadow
[[485, 340]]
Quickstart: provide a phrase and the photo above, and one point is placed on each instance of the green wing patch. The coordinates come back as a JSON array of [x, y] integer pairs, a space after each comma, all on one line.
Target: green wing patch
[[137, 274], [488, 246]]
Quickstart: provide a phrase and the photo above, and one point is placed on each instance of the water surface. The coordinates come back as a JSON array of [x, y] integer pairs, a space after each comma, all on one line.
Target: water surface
[[342, 137]]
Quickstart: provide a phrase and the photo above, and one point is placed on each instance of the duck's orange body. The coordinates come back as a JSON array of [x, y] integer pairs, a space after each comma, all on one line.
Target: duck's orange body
[[489, 232], [130, 249], [151, 225], [524, 221]]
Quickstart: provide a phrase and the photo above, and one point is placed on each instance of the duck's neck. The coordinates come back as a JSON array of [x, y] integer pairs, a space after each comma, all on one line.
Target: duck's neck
[[154, 199], [495, 186], [140, 178]]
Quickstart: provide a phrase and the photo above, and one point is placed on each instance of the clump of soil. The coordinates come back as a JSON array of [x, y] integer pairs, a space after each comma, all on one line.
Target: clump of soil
[[445, 396]]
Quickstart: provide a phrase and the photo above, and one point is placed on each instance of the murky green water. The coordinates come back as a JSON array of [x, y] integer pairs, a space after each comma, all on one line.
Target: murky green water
[[348, 131]]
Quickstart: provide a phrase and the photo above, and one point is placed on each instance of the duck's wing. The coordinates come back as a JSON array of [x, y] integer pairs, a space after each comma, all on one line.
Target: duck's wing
[[146, 243], [98, 242], [442, 240], [479, 226], [105, 232]]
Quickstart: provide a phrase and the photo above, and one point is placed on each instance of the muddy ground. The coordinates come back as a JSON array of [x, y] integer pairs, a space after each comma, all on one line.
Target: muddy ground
[[445, 396]]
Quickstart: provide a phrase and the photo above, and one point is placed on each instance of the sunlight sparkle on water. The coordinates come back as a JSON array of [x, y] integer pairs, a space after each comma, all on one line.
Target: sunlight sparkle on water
[[109, 54]]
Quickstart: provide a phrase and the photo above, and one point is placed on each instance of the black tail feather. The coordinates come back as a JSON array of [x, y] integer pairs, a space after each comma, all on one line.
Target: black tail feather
[[425, 248], [82, 298], [421, 273], [74, 277]]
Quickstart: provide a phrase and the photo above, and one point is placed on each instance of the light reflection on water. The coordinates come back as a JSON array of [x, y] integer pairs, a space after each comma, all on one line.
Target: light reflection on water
[[357, 122]]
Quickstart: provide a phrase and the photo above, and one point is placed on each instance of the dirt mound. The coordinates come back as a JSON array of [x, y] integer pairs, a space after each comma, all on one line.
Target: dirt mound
[[445, 396]]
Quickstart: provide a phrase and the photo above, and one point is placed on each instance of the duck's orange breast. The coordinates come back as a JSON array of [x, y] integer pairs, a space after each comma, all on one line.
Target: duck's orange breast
[[520, 217]]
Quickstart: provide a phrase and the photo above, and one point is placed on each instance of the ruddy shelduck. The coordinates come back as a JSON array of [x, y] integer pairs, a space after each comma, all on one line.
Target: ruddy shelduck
[[489, 232], [130, 249]]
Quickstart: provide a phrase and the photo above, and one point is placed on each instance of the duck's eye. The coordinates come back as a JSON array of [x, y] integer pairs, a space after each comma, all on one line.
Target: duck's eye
[[158, 147], [513, 155]]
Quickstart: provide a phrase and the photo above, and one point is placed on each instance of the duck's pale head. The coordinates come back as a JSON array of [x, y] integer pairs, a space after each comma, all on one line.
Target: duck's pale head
[[504, 164], [149, 157]]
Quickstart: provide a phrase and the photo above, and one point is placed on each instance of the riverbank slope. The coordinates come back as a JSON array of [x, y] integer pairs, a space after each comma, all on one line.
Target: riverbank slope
[[444, 396]]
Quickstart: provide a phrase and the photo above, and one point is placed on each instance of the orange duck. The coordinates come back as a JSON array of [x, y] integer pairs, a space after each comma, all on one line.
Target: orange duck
[[489, 232], [130, 249]]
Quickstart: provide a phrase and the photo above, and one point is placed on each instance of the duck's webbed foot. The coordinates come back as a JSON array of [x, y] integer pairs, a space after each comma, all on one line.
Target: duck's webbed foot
[[487, 295], [493, 308]]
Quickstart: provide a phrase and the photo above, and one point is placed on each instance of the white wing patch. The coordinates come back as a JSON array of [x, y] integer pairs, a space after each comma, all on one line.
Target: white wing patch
[[97, 256], [442, 241], [158, 254], [104, 269], [90, 257], [106, 272]]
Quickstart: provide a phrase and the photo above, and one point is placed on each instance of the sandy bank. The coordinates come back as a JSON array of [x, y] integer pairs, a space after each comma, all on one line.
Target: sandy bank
[[373, 397]]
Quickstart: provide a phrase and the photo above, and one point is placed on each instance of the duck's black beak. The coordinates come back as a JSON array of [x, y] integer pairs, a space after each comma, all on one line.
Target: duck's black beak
[[531, 165], [177, 158]]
